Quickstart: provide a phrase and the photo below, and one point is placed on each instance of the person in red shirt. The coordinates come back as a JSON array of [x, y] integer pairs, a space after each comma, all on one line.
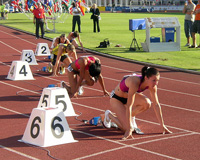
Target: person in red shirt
[[39, 18]]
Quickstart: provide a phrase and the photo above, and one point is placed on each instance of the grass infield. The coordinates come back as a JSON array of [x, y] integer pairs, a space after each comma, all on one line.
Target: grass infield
[[115, 27]]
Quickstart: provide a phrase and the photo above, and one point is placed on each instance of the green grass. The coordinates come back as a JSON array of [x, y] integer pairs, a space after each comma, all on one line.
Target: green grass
[[115, 26]]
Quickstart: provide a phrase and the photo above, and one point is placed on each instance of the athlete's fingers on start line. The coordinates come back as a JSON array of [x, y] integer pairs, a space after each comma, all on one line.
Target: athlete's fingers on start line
[[125, 138]]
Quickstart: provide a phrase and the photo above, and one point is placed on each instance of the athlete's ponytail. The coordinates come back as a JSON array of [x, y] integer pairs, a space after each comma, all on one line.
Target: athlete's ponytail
[[148, 72]]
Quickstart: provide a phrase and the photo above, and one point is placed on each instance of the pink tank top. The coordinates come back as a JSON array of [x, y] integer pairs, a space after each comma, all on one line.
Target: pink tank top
[[124, 88], [87, 66]]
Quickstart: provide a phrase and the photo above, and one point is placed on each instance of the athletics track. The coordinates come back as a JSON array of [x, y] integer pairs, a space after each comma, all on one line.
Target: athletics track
[[179, 95]]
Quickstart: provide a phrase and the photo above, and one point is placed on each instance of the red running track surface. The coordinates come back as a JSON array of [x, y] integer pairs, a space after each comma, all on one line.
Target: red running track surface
[[179, 95]]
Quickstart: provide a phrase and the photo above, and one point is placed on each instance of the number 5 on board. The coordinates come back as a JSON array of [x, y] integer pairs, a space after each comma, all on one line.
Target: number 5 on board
[[56, 97]]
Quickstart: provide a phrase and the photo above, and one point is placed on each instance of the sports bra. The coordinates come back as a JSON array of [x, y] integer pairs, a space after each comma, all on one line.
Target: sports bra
[[124, 88], [87, 66]]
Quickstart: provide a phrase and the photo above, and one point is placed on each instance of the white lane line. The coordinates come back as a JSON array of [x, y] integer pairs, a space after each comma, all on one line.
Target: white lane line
[[20, 52], [188, 94], [14, 111], [116, 141], [131, 146], [146, 121], [19, 153], [191, 110], [101, 91], [164, 138], [87, 98], [18, 38], [160, 77], [10, 46]]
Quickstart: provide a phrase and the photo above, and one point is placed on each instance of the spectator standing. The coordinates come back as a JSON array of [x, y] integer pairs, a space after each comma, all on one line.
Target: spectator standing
[[76, 11], [2, 6], [7, 7], [39, 16], [95, 16], [189, 19], [196, 25]]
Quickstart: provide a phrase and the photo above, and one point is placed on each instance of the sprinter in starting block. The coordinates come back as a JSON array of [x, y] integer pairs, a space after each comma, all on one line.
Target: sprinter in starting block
[[89, 70], [62, 53], [127, 101], [72, 38]]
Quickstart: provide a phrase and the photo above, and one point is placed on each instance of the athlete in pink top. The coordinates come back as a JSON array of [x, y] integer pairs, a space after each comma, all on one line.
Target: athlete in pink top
[[89, 70], [124, 88], [89, 60], [127, 101]]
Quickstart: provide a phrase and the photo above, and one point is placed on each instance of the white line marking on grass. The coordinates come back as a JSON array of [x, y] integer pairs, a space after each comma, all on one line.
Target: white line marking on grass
[[19, 153]]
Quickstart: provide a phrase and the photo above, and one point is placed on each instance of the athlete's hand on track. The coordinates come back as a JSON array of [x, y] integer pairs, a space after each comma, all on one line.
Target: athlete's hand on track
[[128, 134], [106, 93], [166, 130]]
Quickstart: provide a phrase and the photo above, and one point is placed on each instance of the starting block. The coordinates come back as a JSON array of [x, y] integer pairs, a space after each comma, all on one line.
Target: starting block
[[42, 49], [20, 70], [29, 56], [56, 97], [47, 127]]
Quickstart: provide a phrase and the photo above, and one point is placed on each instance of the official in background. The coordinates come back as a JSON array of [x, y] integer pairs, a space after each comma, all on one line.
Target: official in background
[[76, 11], [188, 10], [39, 17], [95, 16]]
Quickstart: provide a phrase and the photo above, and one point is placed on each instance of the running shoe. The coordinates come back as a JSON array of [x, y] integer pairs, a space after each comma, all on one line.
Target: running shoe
[[193, 46], [50, 67], [80, 90], [62, 70], [138, 131], [107, 120]]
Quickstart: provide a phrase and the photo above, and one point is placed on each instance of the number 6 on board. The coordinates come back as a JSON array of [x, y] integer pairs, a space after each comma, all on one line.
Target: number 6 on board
[[47, 127]]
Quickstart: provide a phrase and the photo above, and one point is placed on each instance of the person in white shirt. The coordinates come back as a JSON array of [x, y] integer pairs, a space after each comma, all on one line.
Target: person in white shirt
[[76, 11], [189, 19]]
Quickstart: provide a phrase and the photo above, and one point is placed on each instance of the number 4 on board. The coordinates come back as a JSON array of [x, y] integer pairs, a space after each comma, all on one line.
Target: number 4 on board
[[20, 70]]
